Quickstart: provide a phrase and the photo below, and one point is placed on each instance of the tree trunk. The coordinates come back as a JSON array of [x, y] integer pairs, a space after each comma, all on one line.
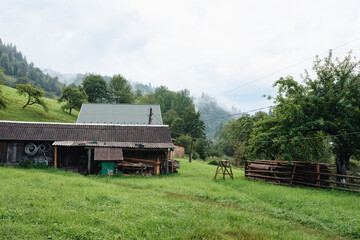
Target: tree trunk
[[70, 111], [26, 104], [191, 147], [342, 163]]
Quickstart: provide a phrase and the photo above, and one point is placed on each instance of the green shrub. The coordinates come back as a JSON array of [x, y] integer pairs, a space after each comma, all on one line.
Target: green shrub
[[29, 164], [195, 155], [213, 162]]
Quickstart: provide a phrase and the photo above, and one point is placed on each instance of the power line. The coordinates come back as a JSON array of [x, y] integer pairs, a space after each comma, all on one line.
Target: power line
[[288, 67]]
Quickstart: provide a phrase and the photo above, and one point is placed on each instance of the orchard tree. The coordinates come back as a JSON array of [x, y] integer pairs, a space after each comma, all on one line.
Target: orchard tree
[[73, 98], [96, 88], [324, 107], [120, 91], [34, 95]]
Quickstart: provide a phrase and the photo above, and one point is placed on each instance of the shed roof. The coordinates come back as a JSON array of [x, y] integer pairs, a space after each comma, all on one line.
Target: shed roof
[[112, 144], [152, 136], [119, 114]]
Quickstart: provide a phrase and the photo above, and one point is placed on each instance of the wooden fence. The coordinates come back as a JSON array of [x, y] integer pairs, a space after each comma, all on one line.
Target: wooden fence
[[319, 175]]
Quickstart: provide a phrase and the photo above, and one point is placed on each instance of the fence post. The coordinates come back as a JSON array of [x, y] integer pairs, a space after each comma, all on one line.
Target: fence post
[[318, 173], [245, 166]]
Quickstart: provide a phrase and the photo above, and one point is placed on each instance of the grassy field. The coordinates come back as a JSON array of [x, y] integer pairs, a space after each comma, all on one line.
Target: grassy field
[[53, 204], [33, 113]]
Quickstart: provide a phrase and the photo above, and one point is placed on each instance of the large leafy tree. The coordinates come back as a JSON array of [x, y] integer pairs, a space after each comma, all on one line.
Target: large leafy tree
[[325, 107], [96, 88], [34, 95], [120, 91], [235, 135], [193, 126], [73, 98]]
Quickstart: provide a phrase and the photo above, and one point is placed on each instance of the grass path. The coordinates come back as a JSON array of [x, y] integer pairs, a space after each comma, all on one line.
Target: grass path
[[49, 204]]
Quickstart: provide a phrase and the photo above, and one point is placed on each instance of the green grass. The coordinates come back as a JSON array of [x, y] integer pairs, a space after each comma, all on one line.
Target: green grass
[[53, 204], [33, 113]]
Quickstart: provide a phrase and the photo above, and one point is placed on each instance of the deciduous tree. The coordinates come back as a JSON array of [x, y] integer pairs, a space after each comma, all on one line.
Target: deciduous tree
[[73, 98], [120, 91], [326, 106], [96, 88], [34, 95]]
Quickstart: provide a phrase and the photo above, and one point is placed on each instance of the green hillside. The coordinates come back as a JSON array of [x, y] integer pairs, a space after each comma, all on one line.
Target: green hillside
[[53, 204], [33, 113]]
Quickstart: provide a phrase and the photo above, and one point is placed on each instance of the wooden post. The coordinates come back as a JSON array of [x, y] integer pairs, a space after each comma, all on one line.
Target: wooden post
[[157, 166], [55, 157], [318, 173], [167, 163], [150, 116], [89, 159]]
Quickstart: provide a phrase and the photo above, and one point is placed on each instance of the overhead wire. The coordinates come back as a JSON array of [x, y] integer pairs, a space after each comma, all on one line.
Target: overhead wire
[[290, 66]]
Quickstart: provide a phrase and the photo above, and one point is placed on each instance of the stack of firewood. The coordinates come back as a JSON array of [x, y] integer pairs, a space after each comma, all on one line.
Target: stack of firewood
[[136, 166]]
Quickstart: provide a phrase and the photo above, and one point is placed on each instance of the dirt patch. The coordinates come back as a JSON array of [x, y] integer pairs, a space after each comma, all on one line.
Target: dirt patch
[[204, 200]]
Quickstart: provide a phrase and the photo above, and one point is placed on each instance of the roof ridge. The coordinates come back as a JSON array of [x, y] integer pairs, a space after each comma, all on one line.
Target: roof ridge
[[85, 124]]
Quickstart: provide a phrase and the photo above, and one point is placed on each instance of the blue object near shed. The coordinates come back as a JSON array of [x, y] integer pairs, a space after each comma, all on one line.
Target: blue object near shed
[[107, 168]]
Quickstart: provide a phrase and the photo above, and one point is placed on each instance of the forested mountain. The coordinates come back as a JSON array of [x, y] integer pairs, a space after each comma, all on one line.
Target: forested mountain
[[17, 70], [212, 114]]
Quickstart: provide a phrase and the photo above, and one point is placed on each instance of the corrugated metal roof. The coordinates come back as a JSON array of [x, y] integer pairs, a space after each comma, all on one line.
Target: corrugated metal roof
[[113, 144], [119, 113], [129, 134]]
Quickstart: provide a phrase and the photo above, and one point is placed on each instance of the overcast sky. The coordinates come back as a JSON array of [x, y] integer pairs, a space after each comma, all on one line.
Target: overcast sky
[[208, 46]]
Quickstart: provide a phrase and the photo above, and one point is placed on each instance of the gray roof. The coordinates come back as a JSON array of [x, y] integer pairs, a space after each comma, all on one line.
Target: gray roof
[[119, 114], [98, 135]]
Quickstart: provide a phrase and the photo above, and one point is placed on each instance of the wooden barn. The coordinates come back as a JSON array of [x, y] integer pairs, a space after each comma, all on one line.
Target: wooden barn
[[91, 148]]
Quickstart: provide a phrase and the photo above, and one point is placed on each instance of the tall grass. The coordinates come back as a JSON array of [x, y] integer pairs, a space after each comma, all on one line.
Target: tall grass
[[53, 204]]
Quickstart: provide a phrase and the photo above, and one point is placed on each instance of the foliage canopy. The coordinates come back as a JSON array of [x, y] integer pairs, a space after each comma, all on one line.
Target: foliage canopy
[[96, 88], [34, 95], [325, 106], [120, 91], [73, 98]]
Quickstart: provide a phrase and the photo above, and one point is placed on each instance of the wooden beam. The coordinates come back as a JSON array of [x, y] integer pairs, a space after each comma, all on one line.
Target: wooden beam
[[89, 160], [55, 157], [167, 163], [318, 173], [157, 166]]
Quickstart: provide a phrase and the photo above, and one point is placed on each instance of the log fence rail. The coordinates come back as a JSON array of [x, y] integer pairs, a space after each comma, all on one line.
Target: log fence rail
[[296, 173]]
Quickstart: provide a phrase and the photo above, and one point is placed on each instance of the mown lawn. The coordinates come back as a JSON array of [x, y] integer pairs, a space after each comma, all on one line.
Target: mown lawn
[[53, 204], [33, 113]]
